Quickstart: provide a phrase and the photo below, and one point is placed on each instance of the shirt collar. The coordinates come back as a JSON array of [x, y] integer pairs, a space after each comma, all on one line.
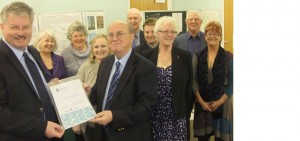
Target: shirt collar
[[124, 59], [17, 52], [190, 35], [138, 33]]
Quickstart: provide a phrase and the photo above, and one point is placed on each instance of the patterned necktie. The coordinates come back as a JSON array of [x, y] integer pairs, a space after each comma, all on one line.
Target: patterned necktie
[[134, 43], [113, 85], [41, 89]]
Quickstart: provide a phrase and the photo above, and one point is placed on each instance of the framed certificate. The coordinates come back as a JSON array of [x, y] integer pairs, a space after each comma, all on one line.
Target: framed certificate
[[71, 103]]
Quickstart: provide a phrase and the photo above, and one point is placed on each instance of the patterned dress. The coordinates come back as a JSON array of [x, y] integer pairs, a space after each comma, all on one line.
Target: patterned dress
[[164, 126]]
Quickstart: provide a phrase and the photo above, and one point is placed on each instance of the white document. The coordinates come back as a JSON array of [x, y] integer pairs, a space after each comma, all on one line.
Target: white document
[[71, 103]]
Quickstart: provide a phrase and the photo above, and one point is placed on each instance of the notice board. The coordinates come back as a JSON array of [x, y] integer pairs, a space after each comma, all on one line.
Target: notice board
[[178, 15]]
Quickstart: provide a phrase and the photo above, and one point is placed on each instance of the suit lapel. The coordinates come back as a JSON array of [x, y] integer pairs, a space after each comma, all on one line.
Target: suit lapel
[[15, 61], [38, 61], [105, 69], [125, 76]]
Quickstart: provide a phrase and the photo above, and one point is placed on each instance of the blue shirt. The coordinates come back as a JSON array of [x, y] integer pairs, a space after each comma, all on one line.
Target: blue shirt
[[194, 43]]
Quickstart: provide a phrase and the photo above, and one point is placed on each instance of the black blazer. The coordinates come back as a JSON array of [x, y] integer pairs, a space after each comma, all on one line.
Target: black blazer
[[181, 79], [142, 38], [21, 115], [132, 103], [141, 48]]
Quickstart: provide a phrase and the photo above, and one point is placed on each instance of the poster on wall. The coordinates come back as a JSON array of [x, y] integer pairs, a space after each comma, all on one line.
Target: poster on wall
[[94, 21], [59, 23], [35, 31]]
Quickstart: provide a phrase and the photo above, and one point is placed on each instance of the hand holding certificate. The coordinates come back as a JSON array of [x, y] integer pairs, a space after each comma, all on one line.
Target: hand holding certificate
[[71, 103]]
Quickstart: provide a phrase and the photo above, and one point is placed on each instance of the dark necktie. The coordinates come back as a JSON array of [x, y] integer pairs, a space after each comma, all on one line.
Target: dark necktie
[[134, 43], [41, 89], [113, 85]]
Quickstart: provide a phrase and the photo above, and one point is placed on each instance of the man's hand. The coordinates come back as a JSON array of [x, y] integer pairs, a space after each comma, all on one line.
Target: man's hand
[[103, 118], [54, 130]]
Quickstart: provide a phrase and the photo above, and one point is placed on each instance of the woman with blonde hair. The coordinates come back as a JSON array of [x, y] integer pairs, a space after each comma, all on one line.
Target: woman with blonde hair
[[88, 70], [53, 64], [88, 74]]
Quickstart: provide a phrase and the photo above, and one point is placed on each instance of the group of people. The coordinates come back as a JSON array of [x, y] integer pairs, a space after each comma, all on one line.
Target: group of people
[[142, 84]]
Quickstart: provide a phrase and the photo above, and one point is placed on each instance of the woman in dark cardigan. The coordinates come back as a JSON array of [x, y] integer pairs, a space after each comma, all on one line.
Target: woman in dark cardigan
[[213, 88], [53, 64], [174, 70]]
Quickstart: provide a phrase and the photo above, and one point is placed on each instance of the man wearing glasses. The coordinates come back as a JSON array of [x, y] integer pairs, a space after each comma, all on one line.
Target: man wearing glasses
[[125, 90]]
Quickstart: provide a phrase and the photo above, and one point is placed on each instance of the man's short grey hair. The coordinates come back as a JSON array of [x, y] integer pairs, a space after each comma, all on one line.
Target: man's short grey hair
[[190, 12], [134, 10], [16, 8]]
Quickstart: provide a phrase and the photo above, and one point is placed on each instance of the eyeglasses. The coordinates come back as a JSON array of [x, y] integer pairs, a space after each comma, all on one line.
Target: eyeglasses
[[215, 34], [17, 28], [194, 19], [166, 32], [117, 35]]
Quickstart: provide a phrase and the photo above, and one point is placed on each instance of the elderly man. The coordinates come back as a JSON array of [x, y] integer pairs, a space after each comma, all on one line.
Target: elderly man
[[193, 40], [134, 17], [124, 101]]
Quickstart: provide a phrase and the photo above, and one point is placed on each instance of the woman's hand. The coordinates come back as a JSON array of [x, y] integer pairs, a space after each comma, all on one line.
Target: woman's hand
[[77, 129]]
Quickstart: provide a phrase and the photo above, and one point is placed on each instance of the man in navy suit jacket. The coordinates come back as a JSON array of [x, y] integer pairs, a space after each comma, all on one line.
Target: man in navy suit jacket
[[127, 116], [22, 112]]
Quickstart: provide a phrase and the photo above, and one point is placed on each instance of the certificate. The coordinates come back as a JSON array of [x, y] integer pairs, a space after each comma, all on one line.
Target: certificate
[[71, 103]]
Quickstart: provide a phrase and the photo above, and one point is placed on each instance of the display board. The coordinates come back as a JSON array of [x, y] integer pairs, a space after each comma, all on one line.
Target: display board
[[60, 22], [178, 15]]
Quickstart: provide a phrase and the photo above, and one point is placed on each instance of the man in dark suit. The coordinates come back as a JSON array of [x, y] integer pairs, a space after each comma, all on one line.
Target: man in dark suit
[[25, 115], [124, 115], [134, 17], [151, 40]]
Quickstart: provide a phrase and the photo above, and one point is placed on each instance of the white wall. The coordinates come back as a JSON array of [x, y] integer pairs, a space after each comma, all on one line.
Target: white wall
[[201, 5], [114, 9]]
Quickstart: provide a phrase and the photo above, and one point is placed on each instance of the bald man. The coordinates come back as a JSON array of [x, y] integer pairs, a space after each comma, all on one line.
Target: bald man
[[124, 101]]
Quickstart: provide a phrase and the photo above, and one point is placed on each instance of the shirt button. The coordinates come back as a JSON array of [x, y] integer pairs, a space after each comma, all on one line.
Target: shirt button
[[41, 109]]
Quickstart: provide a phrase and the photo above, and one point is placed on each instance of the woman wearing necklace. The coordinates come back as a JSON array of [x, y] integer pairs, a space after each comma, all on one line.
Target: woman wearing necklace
[[78, 51], [174, 70], [213, 88], [53, 64]]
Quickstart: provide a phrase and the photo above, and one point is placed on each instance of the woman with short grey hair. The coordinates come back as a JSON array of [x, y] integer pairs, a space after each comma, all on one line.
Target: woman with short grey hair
[[78, 51]]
